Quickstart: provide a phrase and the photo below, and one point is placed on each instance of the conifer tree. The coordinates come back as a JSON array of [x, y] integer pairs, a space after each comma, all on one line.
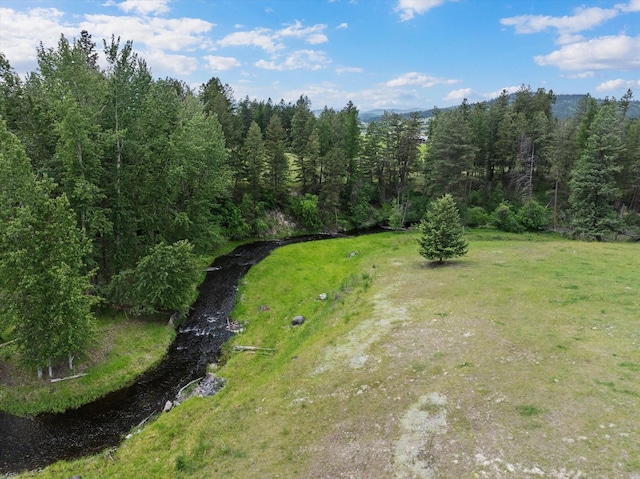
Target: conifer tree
[[442, 234], [593, 181]]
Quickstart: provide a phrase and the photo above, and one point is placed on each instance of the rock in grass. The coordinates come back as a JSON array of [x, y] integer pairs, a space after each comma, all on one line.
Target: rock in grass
[[167, 406], [297, 320]]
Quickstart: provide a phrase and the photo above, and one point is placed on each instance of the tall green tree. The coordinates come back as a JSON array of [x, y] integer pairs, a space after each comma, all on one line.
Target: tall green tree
[[302, 125], [128, 82], [43, 276], [593, 179], [277, 162], [11, 94], [217, 99], [198, 178], [450, 154], [253, 160]]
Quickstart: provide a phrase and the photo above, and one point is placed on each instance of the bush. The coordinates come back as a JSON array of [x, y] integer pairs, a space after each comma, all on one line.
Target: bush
[[477, 216], [396, 215], [307, 211], [533, 216], [164, 280], [505, 219]]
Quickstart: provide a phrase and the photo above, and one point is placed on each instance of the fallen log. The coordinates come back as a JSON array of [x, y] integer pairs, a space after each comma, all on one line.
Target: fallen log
[[189, 384], [8, 342], [251, 348], [68, 377]]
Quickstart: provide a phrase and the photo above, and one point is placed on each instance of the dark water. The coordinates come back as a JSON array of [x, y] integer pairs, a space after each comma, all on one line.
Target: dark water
[[29, 443]]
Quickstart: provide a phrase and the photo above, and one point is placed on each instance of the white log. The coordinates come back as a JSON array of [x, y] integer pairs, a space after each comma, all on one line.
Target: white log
[[251, 348], [186, 386], [76, 376], [8, 342]]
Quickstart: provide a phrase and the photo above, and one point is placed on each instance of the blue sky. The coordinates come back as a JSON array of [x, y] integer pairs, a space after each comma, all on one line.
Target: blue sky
[[395, 54]]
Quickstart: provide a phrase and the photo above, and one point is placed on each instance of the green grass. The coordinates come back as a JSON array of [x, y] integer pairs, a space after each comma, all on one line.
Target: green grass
[[124, 349], [524, 354]]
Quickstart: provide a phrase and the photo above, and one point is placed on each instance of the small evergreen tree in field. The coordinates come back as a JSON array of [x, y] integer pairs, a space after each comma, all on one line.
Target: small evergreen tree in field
[[441, 231]]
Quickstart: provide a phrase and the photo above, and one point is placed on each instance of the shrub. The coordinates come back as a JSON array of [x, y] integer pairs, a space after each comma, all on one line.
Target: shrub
[[164, 280], [477, 216], [306, 210], [533, 216], [505, 219]]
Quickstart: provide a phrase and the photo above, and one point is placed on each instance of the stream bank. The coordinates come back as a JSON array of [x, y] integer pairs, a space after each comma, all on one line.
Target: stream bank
[[30, 443]]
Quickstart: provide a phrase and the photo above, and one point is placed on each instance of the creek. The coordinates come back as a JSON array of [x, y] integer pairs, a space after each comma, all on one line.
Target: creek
[[34, 442]]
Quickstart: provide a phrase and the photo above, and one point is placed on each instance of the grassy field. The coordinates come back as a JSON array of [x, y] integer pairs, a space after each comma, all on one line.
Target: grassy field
[[521, 359], [124, 348]]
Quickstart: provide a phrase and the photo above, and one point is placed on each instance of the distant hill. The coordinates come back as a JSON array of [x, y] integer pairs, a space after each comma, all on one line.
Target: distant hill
[[564, 107]]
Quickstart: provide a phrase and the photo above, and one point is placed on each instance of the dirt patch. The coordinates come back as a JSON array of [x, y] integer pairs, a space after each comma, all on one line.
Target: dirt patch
[[415, 453], [353, 350], [454, 392]]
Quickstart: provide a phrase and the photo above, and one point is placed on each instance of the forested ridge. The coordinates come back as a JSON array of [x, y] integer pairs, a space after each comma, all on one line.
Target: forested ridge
[[113, 181], [565, 106]]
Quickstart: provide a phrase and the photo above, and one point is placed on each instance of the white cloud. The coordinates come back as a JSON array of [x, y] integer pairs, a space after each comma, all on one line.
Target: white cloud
[[632, 6], [260, 37], [410, 8], [458, 95], [218, 63], [307, 59], [582, 19], [419, 79], [143, 7], [342, 70], [178, 64], [581, 75], [324, 93], [342, 26], [618, 84], [612, 52], [176, 34], [313, 35], [271, 41], [567, 38], [22, 32]]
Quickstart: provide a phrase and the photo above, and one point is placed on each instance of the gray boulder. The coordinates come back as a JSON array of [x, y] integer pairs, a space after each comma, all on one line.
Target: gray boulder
[[297, 320]]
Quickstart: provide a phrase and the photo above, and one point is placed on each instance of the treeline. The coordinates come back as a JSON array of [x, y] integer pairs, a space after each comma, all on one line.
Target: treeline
[[112, 181]]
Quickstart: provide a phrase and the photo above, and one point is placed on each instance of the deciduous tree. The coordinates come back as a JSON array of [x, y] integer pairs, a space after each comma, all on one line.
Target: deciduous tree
[[43, 276]]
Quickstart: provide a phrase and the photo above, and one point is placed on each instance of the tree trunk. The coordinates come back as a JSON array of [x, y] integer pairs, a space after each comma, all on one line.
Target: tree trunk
[[555, 206]]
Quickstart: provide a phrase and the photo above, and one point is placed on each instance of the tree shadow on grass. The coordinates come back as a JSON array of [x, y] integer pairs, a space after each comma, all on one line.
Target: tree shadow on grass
[[446, 264]]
